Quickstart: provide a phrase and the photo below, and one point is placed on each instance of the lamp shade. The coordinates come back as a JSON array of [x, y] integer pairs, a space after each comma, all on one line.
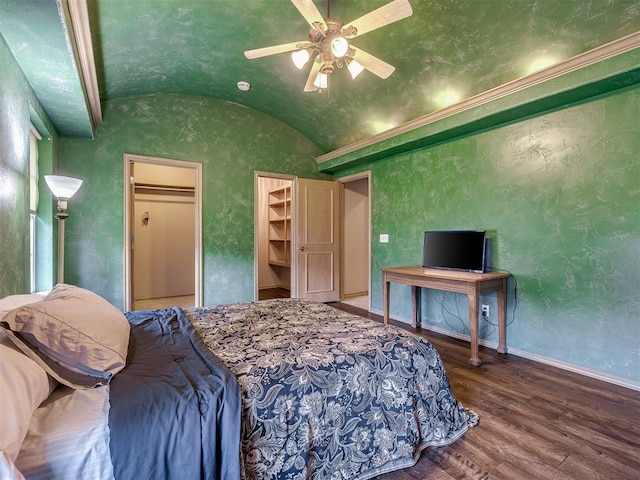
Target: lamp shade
[[355, 68], [300, 58], [321, 80], [63, 187], [339, 47]]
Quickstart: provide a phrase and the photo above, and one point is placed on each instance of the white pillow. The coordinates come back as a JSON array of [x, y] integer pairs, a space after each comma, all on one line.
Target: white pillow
[[24, 386], [14, 301], [75, 335], [8, 470]]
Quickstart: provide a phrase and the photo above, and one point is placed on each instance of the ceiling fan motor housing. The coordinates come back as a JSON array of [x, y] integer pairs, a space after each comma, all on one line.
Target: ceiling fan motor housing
[[316, 33]]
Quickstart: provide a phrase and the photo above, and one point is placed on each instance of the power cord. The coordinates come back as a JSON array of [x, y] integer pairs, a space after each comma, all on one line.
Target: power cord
[[444, 310], [515, 296]]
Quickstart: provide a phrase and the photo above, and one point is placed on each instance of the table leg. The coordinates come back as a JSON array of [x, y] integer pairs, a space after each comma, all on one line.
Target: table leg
[[385, 298], [473, 325], [502, 317], [415, 304]]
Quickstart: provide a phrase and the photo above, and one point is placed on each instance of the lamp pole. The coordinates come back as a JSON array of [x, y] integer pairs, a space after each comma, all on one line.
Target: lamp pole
[[63, 188], [61, 216]]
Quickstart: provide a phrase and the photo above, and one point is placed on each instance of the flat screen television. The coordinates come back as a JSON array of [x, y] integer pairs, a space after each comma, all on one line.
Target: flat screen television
[[454, 250]]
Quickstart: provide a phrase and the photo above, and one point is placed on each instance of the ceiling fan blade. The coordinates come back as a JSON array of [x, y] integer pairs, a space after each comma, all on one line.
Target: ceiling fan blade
[[263, 52], [389, 13], [309, 86], [373, 64], [310, 12]]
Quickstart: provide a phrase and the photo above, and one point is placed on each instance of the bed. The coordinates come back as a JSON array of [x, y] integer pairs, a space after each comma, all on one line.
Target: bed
[[273, 389]]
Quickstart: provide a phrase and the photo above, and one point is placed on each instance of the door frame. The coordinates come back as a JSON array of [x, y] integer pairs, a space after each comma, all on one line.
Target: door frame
[[128, 205], [257, 174], [344, 180]]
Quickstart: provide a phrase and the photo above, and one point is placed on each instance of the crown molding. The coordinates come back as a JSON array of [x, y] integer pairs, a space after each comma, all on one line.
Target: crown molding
[[596, 55], [83, 47]]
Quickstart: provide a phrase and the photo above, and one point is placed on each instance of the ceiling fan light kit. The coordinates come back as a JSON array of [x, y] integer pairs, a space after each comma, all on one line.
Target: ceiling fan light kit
[[354, 68], [339, 47], [300, 58], [329, 45], [321, 80]]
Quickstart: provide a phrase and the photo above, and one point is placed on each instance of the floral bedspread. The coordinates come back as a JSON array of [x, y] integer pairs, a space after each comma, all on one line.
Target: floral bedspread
[[329, 395]]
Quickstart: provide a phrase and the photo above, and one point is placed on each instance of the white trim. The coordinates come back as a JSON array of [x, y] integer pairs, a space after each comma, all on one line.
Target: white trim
[[604, 52], [83, 47], [587, 372], [35, 131], [197, 168], [356, 176]]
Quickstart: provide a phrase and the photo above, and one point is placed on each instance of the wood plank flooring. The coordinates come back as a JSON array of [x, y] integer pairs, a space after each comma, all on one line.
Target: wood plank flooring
[[277, 292], [536, 421]]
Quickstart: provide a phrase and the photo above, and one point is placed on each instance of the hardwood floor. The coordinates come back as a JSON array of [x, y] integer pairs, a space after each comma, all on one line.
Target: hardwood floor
[[269, 293], [536, 421]]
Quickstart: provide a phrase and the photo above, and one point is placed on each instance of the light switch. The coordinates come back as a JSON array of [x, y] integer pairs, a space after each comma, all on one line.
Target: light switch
[[384, 238]]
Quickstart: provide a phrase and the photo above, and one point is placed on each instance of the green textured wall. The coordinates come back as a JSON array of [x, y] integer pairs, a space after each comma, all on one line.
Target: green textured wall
[[14, 171], [560, 195], [230, 141], [19, 107]]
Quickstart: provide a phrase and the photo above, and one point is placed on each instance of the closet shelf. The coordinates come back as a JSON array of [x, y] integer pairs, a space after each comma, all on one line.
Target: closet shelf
[[280, 226]]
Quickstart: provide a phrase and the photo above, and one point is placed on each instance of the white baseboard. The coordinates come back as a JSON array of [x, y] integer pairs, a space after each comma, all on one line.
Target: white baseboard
[[587, 372]]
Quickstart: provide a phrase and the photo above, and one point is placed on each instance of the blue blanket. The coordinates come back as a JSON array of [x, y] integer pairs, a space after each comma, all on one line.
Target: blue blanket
[[175, 408]]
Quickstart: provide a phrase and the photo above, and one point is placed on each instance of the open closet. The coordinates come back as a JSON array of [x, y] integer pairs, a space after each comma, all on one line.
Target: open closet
[[274, 237], [163, 228], [297, 238]]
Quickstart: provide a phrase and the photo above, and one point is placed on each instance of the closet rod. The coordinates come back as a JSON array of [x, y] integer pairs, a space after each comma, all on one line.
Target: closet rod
[[164, 188]]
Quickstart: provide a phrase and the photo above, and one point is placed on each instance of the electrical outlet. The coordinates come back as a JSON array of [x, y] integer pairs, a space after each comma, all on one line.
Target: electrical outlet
[[384, 238], [485, 310]]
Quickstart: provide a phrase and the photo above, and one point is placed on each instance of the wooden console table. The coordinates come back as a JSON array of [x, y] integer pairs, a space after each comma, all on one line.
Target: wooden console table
[[473, 284]]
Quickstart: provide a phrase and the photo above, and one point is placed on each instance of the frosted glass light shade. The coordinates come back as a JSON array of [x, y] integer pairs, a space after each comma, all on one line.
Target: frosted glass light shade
[[300, 58], [355, 68], [339, 47], [321, 80], [63, 187]]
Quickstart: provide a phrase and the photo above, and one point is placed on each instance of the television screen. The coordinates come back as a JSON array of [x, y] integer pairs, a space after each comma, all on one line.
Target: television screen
[[455, 250]]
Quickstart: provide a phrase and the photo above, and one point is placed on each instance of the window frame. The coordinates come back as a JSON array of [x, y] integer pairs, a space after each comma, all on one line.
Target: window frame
[[34, 138]]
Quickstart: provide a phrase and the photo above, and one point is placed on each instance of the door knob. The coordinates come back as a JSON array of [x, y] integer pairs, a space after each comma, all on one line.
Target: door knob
[[302, 248]]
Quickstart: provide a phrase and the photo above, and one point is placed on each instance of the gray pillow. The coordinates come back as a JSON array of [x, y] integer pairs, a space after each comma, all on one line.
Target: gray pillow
[[78, 337]]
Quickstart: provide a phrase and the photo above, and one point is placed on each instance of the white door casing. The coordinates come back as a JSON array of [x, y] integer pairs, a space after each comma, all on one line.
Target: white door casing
[[129, 161]]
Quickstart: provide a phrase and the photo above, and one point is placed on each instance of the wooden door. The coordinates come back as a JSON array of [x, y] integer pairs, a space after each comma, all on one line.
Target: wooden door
[[317, 240]]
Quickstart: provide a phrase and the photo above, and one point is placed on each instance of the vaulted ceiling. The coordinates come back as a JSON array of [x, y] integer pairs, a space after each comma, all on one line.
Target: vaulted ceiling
[[447, 51]]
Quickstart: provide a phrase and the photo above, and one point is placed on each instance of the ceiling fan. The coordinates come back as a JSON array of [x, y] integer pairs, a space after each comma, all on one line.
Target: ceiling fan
[[329, 44]]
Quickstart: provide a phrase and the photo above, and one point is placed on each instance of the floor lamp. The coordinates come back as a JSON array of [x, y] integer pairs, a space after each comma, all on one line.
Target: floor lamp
[[63, 188]]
